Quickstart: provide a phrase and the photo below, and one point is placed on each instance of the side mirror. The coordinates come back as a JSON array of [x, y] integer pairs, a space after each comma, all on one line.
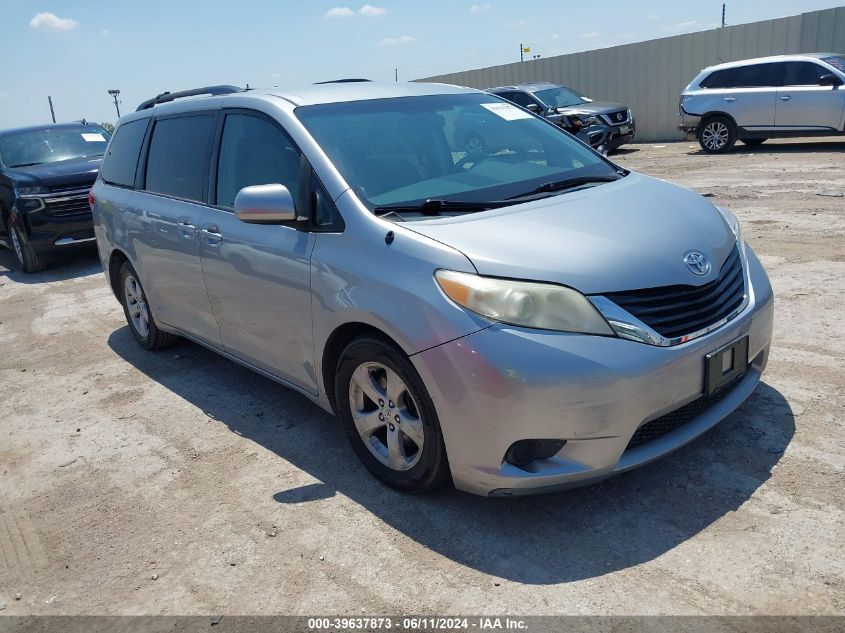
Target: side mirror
[[265, 204], [829, 80], [533, 107]]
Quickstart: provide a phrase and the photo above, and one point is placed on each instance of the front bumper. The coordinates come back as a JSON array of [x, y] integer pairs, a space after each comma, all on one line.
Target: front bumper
[[47, 233], [621, 134], [504, 384]]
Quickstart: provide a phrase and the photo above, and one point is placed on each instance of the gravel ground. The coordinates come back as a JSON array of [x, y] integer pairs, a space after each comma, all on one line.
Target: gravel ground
[[178, 482]]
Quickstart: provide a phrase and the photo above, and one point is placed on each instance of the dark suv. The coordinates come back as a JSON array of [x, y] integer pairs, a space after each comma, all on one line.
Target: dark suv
[[46, 173], [598, 123]]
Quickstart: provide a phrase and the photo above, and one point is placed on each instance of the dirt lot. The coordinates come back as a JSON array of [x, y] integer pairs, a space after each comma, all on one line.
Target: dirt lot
[[178, 482]]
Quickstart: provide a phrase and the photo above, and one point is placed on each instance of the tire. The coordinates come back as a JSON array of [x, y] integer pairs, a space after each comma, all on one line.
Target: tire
[[717, 135], [753, 142], [474, 144], [368, 370], [28, 260], [138, 315]]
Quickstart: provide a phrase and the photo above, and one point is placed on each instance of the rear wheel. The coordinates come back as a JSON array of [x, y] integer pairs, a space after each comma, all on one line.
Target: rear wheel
[[753, 142], [389, 417], [138, 315], [28, 259], [717, 135]]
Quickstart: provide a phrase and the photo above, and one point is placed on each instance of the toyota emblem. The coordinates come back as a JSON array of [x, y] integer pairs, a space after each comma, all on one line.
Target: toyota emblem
[[697, 263]]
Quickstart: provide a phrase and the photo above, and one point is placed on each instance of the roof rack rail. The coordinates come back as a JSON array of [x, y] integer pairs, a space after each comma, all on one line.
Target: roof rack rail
[[166, 97], [340, 81]]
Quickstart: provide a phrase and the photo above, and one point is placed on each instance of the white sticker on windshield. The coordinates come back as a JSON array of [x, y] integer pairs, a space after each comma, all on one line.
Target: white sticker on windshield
[[93, 138], [507, 111]]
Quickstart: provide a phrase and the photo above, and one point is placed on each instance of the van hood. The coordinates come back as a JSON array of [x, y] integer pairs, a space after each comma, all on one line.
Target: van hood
[[628, 234], [63, 173]]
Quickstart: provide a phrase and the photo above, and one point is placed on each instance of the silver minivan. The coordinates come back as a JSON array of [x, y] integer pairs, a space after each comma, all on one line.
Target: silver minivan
[[770, 97], [511, 321]]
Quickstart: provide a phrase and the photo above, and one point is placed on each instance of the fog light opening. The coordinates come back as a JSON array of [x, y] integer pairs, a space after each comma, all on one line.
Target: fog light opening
[[523, 452]]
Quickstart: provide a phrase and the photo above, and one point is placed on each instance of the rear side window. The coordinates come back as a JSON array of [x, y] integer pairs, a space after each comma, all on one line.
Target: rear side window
[[121, 161], [176, 164], [803, 74], [254, 152], [756, 76], [719, 79]]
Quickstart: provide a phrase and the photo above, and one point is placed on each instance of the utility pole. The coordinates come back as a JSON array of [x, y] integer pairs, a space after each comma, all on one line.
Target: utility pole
[[520, 52], [724, 4], [115, 93], [50, 101], [396, 75]]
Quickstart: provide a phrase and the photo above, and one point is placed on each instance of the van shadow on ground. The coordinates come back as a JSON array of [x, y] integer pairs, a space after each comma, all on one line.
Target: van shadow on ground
[[572, 535]]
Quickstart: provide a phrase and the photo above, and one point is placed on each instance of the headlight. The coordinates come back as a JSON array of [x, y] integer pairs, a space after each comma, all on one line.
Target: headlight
[[526, 303], [31, 191], [733, 222], [591, 120]]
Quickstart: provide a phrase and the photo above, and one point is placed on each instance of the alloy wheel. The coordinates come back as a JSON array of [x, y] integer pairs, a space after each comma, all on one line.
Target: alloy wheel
[[715, 135], [136, 306], [386, 416]]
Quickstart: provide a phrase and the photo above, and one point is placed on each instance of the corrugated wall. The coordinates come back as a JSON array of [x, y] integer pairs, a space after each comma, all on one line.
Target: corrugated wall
[[649, 76]]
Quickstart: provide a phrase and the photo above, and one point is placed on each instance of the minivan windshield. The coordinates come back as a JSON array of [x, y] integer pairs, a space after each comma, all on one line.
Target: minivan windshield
[[51, 145], [455, 150], [560, 97]]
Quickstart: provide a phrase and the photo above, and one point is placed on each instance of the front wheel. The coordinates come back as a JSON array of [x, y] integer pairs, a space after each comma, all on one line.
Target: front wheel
[[717, 135], [28, 260], [389, 417], [138, 315]]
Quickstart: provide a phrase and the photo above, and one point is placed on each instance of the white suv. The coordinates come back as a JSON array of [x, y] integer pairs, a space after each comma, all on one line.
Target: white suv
[[756, 99]]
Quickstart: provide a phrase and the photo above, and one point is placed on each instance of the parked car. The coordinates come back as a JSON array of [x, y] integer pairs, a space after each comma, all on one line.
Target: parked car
[[770, 97], [597, 123], [514, 322], [46, 173]]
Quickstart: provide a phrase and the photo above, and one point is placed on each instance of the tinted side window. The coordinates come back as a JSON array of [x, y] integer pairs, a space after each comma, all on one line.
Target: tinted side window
[[719, 79], [254, 152], [803, 74], [756, 76], [121, 161], [520, 98], [177, 158]]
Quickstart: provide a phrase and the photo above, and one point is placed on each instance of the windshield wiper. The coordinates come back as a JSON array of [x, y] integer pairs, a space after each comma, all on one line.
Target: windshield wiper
[[26, 164], [435, 206], [567, 183]]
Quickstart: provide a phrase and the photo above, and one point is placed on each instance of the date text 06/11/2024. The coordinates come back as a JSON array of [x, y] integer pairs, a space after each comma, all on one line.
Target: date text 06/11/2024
[[424, 623]]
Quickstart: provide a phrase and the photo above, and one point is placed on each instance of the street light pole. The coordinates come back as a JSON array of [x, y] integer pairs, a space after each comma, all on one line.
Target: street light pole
[[115, 93]]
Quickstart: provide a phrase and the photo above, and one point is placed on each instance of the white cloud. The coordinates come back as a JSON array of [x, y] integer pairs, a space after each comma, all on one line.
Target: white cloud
[[517, 24], [339, 12], [52, 22], [590, 36], [391, 41], [478, 8], [681, 27], [370, 11]]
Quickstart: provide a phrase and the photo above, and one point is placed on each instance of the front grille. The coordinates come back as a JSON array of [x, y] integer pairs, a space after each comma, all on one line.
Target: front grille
[[75, 187], [679, 417], [674, 311], [617, 117], [68, 205]]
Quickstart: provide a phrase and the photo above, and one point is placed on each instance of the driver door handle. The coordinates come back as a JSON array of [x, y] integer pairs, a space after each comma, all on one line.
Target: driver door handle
[[730, 99], [785, 98], [212, 234]]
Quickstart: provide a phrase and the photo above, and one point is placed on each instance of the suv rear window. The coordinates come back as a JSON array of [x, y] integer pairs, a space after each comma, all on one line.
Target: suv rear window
[[176, 165], [121, 161], [719, 79]]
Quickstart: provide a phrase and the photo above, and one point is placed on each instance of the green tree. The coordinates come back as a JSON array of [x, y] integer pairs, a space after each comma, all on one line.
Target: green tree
[[108, 126]]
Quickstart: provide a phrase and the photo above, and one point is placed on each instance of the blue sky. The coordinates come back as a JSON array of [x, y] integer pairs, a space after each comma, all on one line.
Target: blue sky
[[77, 50]]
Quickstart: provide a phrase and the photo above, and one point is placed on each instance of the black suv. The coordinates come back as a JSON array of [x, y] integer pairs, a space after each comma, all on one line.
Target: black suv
[[46, 173], [598, 123]]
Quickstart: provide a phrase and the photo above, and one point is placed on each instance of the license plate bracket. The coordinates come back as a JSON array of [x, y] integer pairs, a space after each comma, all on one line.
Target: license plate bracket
[[624, 129], [725, 365]]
